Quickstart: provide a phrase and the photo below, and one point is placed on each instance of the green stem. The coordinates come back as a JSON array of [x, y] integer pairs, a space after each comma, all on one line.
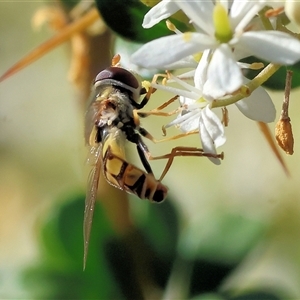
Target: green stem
[[265, 21], [246, 90]]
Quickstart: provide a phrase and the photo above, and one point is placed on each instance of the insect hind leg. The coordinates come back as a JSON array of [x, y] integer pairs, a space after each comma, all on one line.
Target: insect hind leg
[[183, 151]]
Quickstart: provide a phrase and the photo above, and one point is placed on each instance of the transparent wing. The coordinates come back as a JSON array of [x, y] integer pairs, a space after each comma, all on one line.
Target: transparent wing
[[90, 116], [91, 196]]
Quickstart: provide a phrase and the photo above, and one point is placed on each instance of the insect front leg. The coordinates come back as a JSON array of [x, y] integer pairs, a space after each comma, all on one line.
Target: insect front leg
[[145, 99], [158, 111], [148, 90]]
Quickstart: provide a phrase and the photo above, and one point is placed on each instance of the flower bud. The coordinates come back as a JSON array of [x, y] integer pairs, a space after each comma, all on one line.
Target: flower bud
[[284, 135], [292, 10]]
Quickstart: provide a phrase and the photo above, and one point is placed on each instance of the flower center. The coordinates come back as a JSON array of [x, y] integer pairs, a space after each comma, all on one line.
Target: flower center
[[223, 31]]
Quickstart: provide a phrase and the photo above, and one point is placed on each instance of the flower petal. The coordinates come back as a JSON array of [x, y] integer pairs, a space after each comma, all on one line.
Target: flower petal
[[243, 12], [200, 13], [214, 126], [274, 46], [186, 120], [160, 11], [191, 122], [125, 48], [292, 10], [258, 106], [223, 75], [186, 62], [170, 49], [207, 142], [201, 71]]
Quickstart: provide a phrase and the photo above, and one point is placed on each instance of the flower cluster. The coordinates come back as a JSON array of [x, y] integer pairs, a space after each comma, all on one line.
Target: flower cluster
[[224, 33]]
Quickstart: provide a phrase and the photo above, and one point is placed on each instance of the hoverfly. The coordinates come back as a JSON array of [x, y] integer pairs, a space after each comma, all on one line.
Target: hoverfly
[[110, 121]]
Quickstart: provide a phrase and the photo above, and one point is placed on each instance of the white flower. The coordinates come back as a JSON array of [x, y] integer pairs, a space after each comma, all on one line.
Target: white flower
[[292, 10], [225, 32], [197, 113]]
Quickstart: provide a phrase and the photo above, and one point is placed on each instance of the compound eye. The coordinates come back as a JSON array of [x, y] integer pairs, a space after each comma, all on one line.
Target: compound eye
[[118, 74]]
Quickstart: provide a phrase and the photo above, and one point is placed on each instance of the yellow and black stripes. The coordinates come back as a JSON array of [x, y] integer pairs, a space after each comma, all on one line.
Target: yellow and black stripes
[[126, 176]]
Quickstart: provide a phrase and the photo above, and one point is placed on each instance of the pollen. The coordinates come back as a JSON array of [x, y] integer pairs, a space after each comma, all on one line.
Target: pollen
[[171, 26], [187, 36], [197, 56]]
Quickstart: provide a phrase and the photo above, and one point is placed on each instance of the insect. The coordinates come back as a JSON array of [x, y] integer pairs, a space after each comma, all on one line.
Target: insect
[[112, 118], [110, 121]]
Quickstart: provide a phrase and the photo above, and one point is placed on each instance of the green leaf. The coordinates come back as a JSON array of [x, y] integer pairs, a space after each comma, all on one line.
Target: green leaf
[[147, 251], [208, 275], [59, 274], [133, 258], [160, 225], [208, 296], [221, 230], [255, 295], [125, 17], [277, 81]]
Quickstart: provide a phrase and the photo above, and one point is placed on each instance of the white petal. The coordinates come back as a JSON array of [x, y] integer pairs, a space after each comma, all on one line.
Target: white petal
[[243, 12], [170, 49], [207, 142], [187, 86], [187, 62], [200, 13], [238, 10], [187, 101], [258, 106], [274, 46], [186, 121], [214, 126], [125, 48], [201, 71], [160, 11], [292, 10], [175, 91], [223, 75], [192, 122], [225, 4]]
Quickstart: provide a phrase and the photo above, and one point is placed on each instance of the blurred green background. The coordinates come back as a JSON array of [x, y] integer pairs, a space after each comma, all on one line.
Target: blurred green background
[[224, 232]]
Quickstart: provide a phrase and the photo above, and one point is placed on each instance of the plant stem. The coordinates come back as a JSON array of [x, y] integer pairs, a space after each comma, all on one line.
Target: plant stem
[[246, 90]]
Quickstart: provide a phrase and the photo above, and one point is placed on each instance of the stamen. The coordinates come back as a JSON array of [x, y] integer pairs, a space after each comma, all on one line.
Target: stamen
[[180, 120], [172, 27], [175, 91]]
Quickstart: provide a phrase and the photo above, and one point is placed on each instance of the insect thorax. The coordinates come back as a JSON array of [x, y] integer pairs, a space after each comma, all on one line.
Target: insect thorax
[[114, 107]]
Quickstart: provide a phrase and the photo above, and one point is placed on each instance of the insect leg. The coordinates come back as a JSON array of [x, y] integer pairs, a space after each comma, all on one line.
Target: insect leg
[[183, 151], [177, 151], [157, 111], [148, 90], [149, 136], [142, 149]]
